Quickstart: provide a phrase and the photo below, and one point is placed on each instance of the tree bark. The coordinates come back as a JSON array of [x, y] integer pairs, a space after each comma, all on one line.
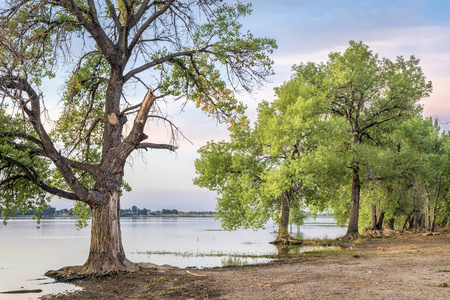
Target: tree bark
[[106, 255], [427, 210], [373, 223], [283, 236], [433, 220], [352, 231], [390, 223], [379, 225]]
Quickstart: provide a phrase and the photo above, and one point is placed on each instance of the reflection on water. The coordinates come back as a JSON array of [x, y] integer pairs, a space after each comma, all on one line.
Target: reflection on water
[[27, 253]]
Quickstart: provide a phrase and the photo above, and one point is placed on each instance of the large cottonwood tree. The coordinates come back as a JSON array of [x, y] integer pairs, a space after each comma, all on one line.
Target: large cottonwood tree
[[368, 96], [257, 173], [191, 50]]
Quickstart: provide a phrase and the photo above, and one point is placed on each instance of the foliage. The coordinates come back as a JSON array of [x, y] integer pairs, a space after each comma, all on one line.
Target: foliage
[[345, 133], [366, 98], [258, 166], [191, 50]]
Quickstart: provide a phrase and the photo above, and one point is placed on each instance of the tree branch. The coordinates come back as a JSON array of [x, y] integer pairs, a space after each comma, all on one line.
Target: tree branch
[[144, 27], [21, 135], [156, 146], [32, 176], [160, 61], [34, 117], [98, 34]]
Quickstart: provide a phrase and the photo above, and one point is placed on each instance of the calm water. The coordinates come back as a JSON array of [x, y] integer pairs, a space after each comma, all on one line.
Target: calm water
[[26, 253]]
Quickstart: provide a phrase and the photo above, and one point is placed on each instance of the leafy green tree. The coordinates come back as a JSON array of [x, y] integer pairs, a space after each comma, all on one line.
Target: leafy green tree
[[175, 49], [366, 96], [425, 171], [257, 174], [406, 178]]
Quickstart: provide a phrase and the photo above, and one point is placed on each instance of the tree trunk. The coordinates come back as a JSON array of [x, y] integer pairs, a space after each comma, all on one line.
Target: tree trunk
[[373, 223], [106, 255], [408, 221], [420, 219], [390, 223], [433, 220], [283, 236], [380, 220], [427, 210], [352, 231]]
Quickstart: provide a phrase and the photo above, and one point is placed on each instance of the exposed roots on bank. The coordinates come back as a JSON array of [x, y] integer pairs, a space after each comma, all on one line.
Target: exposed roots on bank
[[79, 272]]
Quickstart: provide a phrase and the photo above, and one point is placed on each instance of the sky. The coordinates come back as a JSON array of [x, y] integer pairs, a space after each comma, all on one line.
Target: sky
[[305, 31]]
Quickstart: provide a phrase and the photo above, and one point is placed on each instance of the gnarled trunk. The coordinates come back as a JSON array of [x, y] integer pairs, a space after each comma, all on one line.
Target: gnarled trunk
[[106, 255]]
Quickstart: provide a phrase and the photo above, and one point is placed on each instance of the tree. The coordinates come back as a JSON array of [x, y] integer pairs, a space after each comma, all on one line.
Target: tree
[[367, 95], [257, 173], [421, 171], [191, 50]]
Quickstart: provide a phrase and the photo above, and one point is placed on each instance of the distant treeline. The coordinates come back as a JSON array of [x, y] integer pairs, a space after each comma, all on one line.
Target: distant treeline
[[134, 211]]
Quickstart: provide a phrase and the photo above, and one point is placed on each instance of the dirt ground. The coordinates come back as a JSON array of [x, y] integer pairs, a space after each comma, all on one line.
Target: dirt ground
[[411, 266]]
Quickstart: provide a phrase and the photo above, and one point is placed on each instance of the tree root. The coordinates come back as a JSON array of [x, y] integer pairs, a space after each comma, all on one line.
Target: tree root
[[349, 236], [286, 240], [70, 273], [373, 232]]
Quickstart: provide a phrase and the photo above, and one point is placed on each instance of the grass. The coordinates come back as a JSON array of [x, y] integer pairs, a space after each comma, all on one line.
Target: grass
[[210, 254], [319, 242], [161, 279], [444, 270]]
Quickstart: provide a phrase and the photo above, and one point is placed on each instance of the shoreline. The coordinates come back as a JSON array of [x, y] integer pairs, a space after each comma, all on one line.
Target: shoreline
[[407, 266]]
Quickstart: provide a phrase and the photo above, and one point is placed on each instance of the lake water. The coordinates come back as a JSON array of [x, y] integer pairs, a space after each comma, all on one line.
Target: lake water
[[26, 253]]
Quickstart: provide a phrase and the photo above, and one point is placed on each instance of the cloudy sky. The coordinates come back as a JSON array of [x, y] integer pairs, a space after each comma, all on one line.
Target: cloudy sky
[[305, 31]]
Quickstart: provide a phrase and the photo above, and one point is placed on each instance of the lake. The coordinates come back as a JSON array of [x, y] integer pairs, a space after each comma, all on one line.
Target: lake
[[26, 252]]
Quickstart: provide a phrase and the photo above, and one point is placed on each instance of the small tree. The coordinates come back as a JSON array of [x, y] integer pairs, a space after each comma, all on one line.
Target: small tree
[[175, 49]]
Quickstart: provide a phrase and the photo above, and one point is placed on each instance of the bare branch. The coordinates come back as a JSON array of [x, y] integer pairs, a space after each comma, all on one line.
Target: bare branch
[[156, 146], [31, 175], [34, 117], [159, 61], [144, 27], [112, 12], [21, 135]]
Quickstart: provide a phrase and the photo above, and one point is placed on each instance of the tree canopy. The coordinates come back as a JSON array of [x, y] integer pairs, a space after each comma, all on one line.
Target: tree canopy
[[341, 136], [123, 59], [257, 174]]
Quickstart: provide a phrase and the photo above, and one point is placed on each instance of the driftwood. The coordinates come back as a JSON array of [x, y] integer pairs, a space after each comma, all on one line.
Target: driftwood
[[193, 274], [22, 291]]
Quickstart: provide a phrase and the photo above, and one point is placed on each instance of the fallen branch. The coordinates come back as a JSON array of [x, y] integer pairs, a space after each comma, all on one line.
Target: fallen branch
[[197, 275], [22, 291]]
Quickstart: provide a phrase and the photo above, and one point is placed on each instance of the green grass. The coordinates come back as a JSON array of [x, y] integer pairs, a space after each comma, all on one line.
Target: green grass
[[161, 279], [319, 242], [444, 270], [210, 254]]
